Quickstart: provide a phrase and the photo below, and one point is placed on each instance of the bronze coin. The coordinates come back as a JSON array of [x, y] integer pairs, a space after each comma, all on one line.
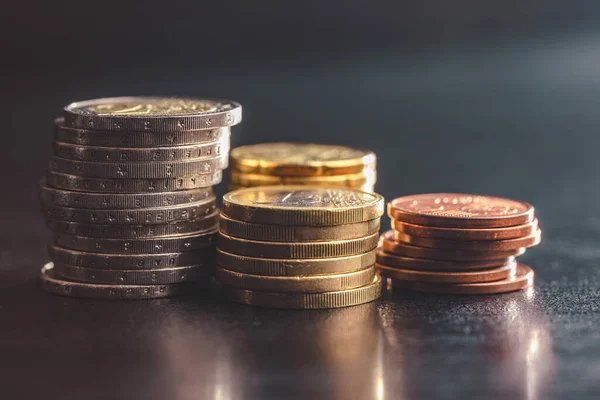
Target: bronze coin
[[511, 232], [488, 245], [521, 280], [455, 210], [484, 275], [422, 264], [390, 245]]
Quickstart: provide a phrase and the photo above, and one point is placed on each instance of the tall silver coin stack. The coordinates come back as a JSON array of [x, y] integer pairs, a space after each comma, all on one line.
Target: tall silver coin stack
[[128, 195]]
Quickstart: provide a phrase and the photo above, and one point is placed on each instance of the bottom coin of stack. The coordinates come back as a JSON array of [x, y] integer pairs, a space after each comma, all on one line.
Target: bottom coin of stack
[[299, 246], [458, 244]]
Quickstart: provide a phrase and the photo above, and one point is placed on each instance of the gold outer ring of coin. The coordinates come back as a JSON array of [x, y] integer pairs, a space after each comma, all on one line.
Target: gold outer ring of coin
[[132, 277], [487, 245], [483, 275], [281, 233], [302, 205], [53, 284], [521, 280], [301, 159], [294, 267], [422, 264], [296, 284], [344, 298], [511, 232], [368, 177], [336, 248]]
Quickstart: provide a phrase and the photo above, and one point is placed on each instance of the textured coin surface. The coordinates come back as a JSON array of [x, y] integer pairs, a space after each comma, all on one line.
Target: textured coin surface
[[300, 159], [53, 284], [158, 215], [69, 198], [296, 284], [174, 244], [487, 245], [156, 114], [343, 298], [151, 154], [141, 170], [350, 181], [132, 277], [454, 210], [484, 275], [131, 186], [521, 280], [336, 248], [282, 233], [294, 267], [204, 257], [389, 245], [135, 140], [302, 205], [511, 232], [422, 264]]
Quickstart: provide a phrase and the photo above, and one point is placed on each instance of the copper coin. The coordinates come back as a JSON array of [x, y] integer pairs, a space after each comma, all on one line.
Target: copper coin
[[511, 232], [422, 264], [489, 245], [484, 275], [455, 210], [521, 280], [390, 245]]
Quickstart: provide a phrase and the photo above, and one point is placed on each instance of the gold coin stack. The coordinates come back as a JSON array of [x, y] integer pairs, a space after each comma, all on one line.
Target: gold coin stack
[[302, 164], [299, 246], [128, 195]]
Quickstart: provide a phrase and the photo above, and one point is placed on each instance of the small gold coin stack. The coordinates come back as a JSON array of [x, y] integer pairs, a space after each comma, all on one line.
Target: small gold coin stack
[[128, 195], [458, 243], [299, 246], [302, 164]]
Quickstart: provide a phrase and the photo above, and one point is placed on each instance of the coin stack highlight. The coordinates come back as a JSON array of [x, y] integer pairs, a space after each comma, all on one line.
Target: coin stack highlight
[[302, 164], [299, 246], [128, 195], [458, 244]]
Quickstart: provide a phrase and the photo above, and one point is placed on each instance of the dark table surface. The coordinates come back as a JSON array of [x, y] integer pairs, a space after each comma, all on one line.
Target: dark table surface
[[519, 120]]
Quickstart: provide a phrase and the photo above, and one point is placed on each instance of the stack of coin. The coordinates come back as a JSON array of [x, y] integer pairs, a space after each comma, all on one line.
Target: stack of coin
[[299, 246], [128, 195], [458, 243], [302, 164]]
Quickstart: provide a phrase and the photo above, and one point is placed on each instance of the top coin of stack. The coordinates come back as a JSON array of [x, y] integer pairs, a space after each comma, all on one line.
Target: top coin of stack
[[458, 243], [299, 246], [128, 195], [302, 164]]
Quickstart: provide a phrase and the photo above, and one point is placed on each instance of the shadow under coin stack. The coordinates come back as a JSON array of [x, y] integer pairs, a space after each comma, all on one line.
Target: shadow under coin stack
[[299, 246], [129, 196], [458, 244], [302, 164]]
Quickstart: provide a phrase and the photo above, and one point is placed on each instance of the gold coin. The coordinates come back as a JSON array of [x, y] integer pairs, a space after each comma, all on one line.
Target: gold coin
[[336, 248], [301, 159], [282, 233], [296, 284], [343, 298], [294, 267], [367, 177], [302, 205]]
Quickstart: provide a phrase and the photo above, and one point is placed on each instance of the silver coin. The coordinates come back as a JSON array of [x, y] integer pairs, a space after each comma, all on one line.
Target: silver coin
[[146, 170], [159, 215], [135, 140], [204, 256], [133, 277], [99, 185], [53, 284], [174, 244], [155, 154], [155, 114]]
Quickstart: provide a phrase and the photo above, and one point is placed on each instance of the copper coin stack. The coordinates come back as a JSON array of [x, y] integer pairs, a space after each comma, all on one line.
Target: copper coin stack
[[128, 195], [299, 246], [302, 164], [458, 244]]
